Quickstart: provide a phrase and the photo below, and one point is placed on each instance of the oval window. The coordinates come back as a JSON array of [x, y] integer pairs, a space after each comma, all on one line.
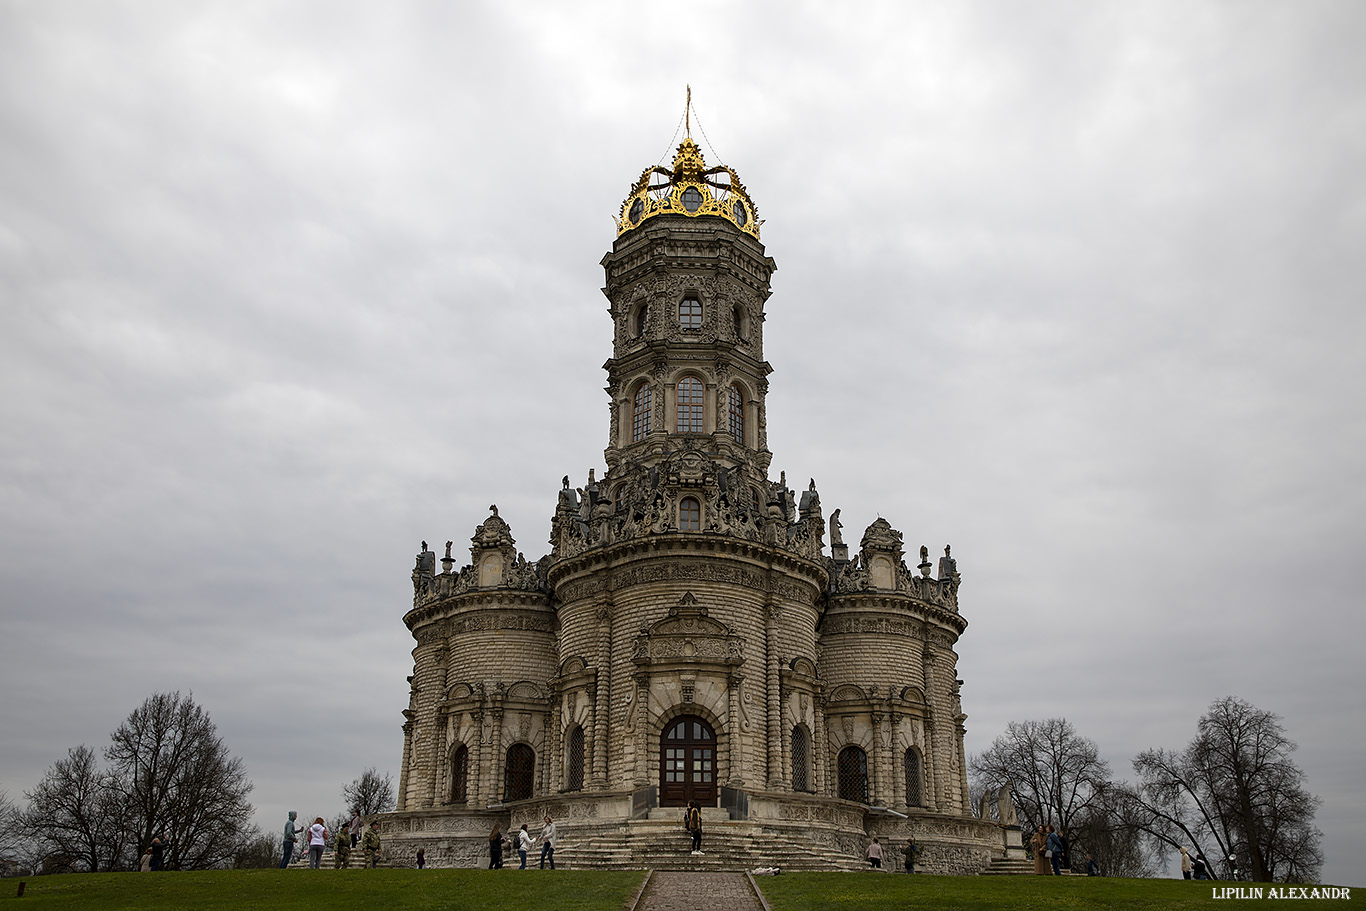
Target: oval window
[[638, 209], [692, 199], [741, 216]]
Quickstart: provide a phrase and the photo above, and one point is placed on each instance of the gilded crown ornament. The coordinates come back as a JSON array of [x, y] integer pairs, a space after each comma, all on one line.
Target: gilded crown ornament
[[690, 189]]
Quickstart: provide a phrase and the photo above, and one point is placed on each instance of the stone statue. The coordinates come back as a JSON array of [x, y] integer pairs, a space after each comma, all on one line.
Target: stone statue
[[449, 544], [494, 509], [984, 805], [837, 539], [948, 566], [924, 554], [1005, 807]]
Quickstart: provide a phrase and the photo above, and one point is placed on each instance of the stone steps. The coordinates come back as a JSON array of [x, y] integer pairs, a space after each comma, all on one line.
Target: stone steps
[[662, 844]]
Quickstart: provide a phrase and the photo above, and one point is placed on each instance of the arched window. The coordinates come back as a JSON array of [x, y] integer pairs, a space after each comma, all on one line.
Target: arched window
[[518, 772], [641, 413], [738, 319], [801, 778], [689, 514], [690, 313], [460, 773], [690, 405], [736, 411], [914, 794], [853, 774], [575, 778], [640, 320]]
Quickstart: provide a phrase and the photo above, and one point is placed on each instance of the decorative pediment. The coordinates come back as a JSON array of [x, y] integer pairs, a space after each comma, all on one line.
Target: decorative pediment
[[526, 690], [848, 693], [687, 634]]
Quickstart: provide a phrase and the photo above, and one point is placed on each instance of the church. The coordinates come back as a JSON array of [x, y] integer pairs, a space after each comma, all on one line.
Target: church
[[699, 630]]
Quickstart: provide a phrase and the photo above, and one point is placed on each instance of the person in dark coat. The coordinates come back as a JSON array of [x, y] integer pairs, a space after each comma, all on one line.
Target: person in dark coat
[[1053, 844], [496, 847]]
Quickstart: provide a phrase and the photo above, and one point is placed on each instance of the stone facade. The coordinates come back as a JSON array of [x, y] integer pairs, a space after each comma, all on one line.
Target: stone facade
[[690, 635]]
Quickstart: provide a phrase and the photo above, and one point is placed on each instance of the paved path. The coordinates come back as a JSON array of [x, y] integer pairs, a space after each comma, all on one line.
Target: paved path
[[674, 891]]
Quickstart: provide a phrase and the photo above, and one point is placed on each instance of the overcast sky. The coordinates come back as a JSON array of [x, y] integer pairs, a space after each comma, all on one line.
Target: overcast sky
[[286, 288]]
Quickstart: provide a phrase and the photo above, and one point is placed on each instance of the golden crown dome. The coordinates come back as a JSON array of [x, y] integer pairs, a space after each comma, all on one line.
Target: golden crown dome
[[690, 189]]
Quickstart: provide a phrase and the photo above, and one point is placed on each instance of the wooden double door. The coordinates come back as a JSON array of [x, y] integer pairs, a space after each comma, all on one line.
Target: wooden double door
[[687, 763]]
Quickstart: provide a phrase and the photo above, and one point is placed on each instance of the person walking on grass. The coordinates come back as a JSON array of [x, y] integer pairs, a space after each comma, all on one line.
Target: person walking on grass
[[909, 852], [371, 845], [875, 855], [341, 849]]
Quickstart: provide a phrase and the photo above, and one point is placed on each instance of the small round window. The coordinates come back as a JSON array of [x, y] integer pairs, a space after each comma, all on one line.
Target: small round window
[[741, 216], [692, 199], [638, 209]]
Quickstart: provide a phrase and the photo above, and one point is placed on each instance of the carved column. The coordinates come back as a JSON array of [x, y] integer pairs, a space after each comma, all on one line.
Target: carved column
[[821, 758], [785, 730], [553, 779], [602, 702], [735, 747], [896, 749], [407, 761], [477, 789], [772, 723], [437, 747], [642, 729], [879, 782], [498, 754]]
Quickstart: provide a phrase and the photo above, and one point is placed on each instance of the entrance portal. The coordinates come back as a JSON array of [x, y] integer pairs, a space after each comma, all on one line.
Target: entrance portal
[[687, 763]]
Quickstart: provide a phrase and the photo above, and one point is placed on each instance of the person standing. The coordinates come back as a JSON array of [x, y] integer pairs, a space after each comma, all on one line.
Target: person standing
[[354, 829], [1036, 844], [875, 855], [158, 853], [1185, 863], [908, 852], [692, 821], [548, 843], [523, 845], [291, 836], [370, 843], [421, 858], [1092, 866], [1053, 844], [496, 847], [147, 860], [317, 841], [341, 849]]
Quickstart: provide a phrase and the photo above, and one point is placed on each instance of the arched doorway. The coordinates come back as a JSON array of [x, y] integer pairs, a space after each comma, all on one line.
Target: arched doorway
[[519, 772], [687, 763]]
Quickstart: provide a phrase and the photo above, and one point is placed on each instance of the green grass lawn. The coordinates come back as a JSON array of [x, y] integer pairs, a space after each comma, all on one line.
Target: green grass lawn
[[336, 890], [579, 890]]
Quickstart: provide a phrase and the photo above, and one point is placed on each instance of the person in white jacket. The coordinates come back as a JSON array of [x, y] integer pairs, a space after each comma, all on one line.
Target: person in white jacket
[[523, 845], [548, 843]]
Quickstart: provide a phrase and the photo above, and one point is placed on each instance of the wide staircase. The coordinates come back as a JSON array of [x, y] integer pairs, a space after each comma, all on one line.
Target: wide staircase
[[660, 843]]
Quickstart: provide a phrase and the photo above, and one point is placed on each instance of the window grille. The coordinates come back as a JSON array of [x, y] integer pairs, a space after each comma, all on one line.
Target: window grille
[[518, 773], [853, 774], [575, 782], [800, 778], [689, 515], [641, 414], [737, 416], [690, 405], [914, 795], [690, 313], [460, 773], [642, 321]]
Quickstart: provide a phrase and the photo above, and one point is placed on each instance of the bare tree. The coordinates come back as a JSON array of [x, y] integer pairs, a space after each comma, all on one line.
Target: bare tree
[[178, 782], [1056, 773], [76, 812], [1236, 789], [370, 794]]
